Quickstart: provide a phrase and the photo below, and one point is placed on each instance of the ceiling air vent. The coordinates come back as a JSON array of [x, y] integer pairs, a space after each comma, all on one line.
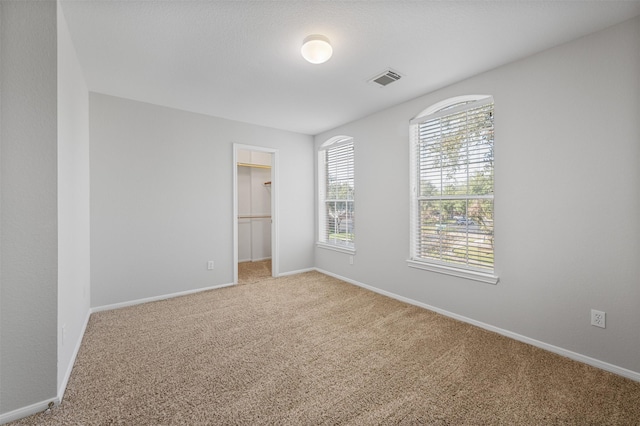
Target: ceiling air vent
[[387, 77]]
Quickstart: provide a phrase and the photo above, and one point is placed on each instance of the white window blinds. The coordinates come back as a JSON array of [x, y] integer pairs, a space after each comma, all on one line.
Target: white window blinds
[[452, 186], [337, 219]]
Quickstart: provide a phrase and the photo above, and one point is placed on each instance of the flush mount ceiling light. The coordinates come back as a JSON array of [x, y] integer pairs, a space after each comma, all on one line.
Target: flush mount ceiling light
[[316, 49]]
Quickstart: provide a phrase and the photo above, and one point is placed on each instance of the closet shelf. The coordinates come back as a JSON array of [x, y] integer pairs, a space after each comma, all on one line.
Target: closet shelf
[[257, 166]]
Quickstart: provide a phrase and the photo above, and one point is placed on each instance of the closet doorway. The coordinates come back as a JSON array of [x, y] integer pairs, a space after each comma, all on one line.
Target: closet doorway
[[255, 213]]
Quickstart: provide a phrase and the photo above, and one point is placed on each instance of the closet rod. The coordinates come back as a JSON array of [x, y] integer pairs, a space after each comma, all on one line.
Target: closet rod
[[257, 166], [254, 217]]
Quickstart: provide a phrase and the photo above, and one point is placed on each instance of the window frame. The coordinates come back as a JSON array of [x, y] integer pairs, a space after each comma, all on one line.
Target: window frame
[[321, 236], [441, 109]]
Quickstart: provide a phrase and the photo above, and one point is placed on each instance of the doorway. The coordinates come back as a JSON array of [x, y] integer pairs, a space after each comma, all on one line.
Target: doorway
[[255, 221]]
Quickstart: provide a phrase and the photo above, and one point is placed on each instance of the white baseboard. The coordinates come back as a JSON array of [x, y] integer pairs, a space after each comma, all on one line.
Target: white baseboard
[[65, 380], [155, 298], [41, 406], [630, 374], [299, 271], [29, 410], [254, 260]]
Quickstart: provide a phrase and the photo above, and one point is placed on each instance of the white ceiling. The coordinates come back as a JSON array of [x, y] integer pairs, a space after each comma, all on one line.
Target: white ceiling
[[241, 59]]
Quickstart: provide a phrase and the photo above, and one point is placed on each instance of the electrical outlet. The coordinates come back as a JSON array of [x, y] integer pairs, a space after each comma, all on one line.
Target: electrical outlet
[[598, 318], [210, 265], [350, 260]]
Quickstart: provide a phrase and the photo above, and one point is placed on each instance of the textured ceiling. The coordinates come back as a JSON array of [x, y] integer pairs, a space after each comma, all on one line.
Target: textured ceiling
[[241, 59]]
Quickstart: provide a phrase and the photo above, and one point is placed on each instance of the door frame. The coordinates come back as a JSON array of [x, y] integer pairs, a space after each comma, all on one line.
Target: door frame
[[275, 254]]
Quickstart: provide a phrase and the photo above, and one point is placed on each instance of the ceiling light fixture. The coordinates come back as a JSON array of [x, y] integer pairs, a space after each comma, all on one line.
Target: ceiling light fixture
[[316, 49]]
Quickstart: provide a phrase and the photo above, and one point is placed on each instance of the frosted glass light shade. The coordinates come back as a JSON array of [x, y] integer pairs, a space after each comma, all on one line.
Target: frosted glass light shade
[[316, 49]]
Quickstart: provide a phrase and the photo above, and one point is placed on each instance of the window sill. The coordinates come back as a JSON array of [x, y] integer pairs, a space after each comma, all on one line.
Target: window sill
[[456, 272], [340, 249]]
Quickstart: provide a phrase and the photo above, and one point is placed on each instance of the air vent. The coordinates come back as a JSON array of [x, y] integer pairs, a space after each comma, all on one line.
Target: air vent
[[387, 77]]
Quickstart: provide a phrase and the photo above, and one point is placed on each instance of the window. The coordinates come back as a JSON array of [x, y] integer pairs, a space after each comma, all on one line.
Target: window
[[452, 179], [336, 227]]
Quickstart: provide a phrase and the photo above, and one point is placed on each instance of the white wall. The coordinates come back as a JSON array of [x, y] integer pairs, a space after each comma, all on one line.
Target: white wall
[[73, 203], [567, 194], [28, 206], [162, 194]]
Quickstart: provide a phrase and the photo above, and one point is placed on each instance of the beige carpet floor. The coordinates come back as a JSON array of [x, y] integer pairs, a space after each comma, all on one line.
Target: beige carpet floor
[[312, 350], [251, 272]]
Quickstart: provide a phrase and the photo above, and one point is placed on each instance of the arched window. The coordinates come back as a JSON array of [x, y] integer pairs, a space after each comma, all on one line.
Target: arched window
[[336, 191], [452, 175]]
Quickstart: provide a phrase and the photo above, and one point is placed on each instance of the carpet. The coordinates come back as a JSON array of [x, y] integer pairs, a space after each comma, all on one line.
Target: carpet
[[309, 349], [251, 272]]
